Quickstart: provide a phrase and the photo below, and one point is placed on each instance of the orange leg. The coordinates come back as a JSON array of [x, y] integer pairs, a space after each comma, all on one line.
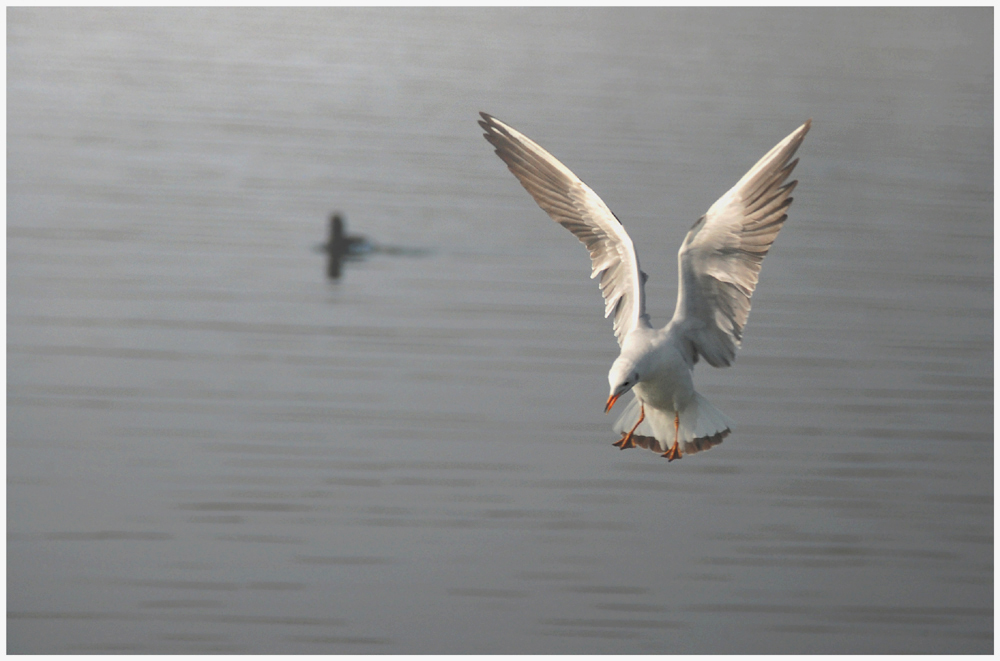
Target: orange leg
[[627, 441], [674, 452]]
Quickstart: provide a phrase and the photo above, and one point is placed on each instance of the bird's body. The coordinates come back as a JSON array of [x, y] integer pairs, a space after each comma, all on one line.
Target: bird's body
[[665, 391], [718, 264], [666, 381]]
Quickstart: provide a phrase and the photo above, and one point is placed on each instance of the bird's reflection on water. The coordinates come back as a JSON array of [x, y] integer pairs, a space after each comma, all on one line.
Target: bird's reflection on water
[[342, 247]]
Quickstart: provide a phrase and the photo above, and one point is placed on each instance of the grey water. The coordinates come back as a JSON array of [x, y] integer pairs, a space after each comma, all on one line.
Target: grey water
[[214, 447]]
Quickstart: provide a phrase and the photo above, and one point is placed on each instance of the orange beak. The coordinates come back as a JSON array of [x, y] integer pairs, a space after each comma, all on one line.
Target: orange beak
[[611, 402]]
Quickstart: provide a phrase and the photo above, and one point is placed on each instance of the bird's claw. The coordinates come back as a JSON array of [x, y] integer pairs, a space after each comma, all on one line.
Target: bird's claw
[[672, 453], [625, 442]]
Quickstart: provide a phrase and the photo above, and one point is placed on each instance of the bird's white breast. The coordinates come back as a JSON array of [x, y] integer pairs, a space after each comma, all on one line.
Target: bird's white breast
[[665, 380]]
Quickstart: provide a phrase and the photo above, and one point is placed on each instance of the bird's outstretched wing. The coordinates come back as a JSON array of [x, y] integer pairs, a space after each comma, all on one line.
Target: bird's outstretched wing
[[572, 204], [720, 258]]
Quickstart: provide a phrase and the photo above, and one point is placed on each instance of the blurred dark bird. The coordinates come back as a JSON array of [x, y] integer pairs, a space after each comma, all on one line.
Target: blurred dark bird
[[342, 243], [341, 246]]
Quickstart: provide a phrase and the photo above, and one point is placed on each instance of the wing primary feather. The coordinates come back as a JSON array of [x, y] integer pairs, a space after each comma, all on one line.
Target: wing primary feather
[[719, 261], [572, 204]]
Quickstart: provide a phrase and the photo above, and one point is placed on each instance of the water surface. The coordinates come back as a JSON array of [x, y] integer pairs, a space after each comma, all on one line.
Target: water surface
[[214, 448]]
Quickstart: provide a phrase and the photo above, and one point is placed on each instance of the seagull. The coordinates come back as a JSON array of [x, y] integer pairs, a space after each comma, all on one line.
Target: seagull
[[718, 263]]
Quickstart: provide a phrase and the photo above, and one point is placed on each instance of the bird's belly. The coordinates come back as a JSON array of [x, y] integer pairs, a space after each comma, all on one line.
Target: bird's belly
[[668, 390]]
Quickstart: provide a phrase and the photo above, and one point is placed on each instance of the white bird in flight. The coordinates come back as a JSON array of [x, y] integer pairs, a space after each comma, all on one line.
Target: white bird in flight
[[719, 262]]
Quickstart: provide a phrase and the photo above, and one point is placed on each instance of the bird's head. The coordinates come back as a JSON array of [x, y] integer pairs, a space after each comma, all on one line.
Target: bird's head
[[622, 378]]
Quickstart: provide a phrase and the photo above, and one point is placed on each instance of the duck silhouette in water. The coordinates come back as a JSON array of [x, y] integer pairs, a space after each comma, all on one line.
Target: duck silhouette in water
[[342, 246]]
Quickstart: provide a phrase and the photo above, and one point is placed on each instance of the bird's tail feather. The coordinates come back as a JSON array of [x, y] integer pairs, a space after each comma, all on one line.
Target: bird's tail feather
[[702, 426]]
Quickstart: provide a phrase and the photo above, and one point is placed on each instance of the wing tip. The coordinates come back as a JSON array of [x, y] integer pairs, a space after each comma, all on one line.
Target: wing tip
[[486, 123], [490, 124]]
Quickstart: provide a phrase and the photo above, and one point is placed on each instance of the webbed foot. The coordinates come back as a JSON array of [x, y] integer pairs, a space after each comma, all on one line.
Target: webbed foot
[[672, 453], [626, 442]]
